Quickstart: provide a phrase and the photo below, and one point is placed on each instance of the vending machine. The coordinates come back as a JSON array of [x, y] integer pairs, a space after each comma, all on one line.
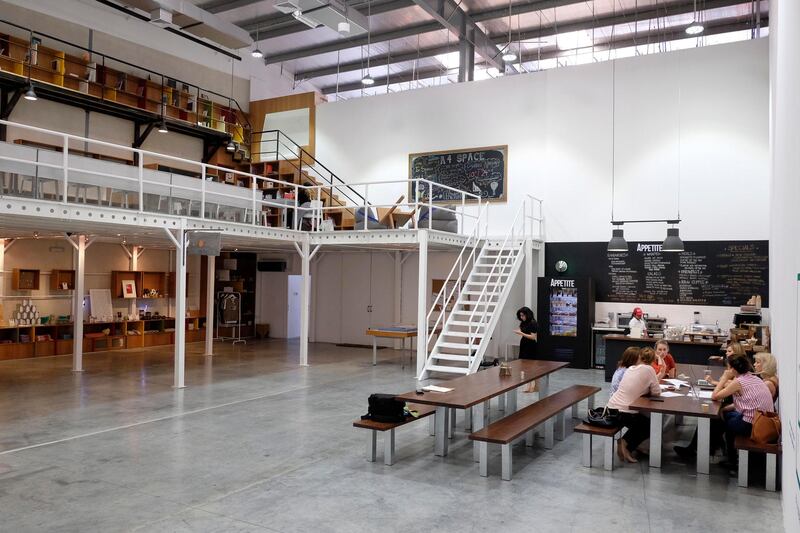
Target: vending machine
[[566, 315]]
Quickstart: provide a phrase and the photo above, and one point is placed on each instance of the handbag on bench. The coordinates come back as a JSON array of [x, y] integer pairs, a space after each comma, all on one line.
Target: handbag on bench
[[385, 408], [603, 417]]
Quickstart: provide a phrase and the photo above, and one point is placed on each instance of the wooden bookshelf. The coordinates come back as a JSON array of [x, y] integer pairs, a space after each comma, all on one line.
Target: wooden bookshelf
[[25, 279], [62, 280]]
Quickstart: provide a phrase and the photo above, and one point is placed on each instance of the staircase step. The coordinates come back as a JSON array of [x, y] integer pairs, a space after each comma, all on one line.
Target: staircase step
[[478, 293], [451, 357], [464, 334], [476, 304], [448, 369], [455, 345], [466, 324]]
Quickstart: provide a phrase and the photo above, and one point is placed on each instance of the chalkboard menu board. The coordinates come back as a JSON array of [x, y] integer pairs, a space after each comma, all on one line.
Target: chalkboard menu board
[[706, 273], [479, 171]]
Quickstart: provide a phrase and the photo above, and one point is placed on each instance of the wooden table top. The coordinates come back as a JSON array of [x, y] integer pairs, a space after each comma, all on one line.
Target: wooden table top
[[475, 388], [684, 404], [393, 333]]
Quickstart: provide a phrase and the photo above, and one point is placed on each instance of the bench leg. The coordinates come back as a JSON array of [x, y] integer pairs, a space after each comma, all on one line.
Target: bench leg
[[479, 418], [608, 453], [772, 472], [372, 444], [561, 426], [388, 447], [703, 445], [483, 457], [548, 433], [586, 451], [432, 425], [501, 403], [506, 462], [575, 411], [655, 439], [530, 436], [451, 430], [743, 460], [511, 401], [591, 402], [442, 422]]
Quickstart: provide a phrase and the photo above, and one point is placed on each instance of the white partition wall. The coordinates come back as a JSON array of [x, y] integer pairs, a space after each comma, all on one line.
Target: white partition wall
[[784, 245]]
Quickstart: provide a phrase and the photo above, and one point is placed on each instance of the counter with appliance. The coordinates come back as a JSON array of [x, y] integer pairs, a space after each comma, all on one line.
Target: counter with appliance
[[694, 352]]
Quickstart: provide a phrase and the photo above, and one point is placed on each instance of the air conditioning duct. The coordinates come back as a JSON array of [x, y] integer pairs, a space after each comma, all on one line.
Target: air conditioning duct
[[324, 13]]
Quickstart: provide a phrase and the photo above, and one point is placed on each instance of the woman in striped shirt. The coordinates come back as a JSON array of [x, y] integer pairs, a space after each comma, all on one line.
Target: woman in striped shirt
[[750, 394]]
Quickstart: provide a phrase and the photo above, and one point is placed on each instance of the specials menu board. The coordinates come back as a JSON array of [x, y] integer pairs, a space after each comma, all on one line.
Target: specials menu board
[[706, 273]]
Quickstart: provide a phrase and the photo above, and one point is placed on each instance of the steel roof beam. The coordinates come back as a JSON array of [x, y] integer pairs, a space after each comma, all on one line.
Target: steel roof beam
[[344, 44], [725, 26], [221, 6], [450, 15], [376, 61]]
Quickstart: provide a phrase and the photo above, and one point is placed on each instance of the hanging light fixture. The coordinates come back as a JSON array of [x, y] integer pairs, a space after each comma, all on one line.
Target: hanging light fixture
[[231, 146], [30, 94], [508, 53], [344, 27], [617, 242], [696, 27], [162, 126], [673, 242], [256, 53], [368, 80]]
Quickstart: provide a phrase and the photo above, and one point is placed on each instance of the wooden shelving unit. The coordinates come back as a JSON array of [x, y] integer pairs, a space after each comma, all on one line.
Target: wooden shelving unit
[[62, 280], [25, 279]]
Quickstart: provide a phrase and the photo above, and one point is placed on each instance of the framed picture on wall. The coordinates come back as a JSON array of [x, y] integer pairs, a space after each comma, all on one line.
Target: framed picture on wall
[[129, 288]]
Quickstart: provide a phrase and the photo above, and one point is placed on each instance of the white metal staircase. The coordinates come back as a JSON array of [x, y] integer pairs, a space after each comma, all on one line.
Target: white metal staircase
[[465, 312], [463, 340]]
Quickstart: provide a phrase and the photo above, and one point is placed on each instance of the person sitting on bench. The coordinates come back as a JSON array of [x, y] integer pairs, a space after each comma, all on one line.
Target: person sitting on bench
[[639, 380], [629, 358], [767, 369]]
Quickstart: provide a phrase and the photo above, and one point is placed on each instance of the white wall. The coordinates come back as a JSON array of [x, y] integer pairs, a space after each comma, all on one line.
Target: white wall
[[558, 126], [699, 114], [784, 247]]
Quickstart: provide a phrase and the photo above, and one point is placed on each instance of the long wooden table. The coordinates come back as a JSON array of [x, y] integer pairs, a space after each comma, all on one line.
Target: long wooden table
[[685, 405], [390, 332], [475, 390]]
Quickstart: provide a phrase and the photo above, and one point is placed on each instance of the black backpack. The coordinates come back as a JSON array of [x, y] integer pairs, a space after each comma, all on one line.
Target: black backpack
[[385, 408]]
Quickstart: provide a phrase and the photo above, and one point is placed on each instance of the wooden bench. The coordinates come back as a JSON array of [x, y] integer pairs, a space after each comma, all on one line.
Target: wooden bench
[[745, 445], [388, 439], [608, 434], [508, 429]]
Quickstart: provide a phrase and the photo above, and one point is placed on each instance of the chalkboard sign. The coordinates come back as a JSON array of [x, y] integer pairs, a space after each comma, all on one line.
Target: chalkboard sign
[[707, 273], [479, 171]]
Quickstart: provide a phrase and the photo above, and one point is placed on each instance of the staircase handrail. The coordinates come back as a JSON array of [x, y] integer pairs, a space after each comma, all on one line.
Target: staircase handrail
[[475, 305], [473, 240], [303, 153]]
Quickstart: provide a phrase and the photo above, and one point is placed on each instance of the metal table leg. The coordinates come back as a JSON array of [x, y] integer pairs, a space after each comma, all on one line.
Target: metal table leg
[[388, 447], [374, 350], [506, 462], [703, 445], [441, 422], [772, 472], [656, 419], [479, 419], [743, 468], [511, 401], [544, 386], [586, 455]]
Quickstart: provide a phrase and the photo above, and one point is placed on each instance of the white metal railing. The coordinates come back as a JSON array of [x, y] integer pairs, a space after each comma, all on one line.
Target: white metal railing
[[29, 170]]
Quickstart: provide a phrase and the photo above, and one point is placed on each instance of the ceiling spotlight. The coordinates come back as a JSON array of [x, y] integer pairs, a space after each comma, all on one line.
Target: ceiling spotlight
[[367, 80], [617, 242], [35, 234], [231, 146], [162, 126], [695, 28], [343, 27], [258, 54], [509, 56], [30, 94]]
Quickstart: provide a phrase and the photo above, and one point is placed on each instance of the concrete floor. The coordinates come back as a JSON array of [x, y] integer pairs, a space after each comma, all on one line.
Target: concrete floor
[[256, 443]]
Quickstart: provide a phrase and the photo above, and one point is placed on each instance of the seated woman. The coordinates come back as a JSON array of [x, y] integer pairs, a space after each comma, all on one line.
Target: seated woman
[[658, 365], [733, 349], [666, 362], [750, 394], [639, 380], [629, 358], [766, 367]]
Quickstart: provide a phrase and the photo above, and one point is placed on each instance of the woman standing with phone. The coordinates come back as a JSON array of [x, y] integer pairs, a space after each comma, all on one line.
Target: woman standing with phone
[[528, 342]]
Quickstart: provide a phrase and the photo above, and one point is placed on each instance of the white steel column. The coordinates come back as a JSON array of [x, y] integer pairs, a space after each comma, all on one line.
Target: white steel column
[[398, 290], [2, 267], [210, 270], [529, 277], [77, 305], [422, 303], [135, 253], [305, 299], [180, 304]]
